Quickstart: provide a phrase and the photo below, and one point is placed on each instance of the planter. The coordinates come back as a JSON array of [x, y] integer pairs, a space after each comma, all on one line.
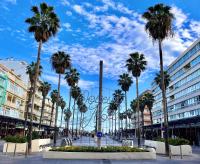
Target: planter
[[14, 147], [175, 150], [181, 150], [38, 143], [21, 147], [100, 155]]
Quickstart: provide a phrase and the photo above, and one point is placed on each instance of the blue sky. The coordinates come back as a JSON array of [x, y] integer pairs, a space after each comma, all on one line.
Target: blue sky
[[92, 30]]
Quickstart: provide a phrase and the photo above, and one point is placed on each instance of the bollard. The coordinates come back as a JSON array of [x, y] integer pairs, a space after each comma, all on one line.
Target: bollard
[[181, 152], [15, 149]]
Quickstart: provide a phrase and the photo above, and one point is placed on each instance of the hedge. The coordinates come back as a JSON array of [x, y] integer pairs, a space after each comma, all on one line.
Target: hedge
[[15, 139], [96, 149], [176, 141]]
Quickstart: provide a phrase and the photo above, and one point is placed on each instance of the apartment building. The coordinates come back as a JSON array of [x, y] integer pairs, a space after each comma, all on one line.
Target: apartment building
[[183, 93], [14, 87]]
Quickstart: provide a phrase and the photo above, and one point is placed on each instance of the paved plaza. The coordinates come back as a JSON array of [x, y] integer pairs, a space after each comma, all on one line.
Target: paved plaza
[[86, 141]]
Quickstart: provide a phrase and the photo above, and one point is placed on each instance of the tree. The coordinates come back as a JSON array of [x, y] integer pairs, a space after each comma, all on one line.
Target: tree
[[158, 80], [129, 114], [68, 115], [83, 110], [136, 64], [133, 106], [113, 108], [125, 82], [159, 26], [72, 77], [45, 87], [75, 92], [54, 97], [141, 107], [118, 98], [149, 100], [30, 71], [60, 62], [62, 106], [44, 24]]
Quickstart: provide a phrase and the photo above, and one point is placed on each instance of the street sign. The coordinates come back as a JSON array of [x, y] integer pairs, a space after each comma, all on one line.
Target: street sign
[[99, 134]]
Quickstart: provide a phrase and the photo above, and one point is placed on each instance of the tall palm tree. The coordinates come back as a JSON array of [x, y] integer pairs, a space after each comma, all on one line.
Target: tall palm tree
[[72, 77], [118, 98], [113, 108], [149, 100], [30, 71], [62, 106], [83, 110], [129, 114], [44, 88], [158, 80], [60, 62], [68, 115], [75, 92], [136, 64], [141, 107], [109, 111], [133, 106], [44, 23], [54, 97], [159, 26], [125, 82]]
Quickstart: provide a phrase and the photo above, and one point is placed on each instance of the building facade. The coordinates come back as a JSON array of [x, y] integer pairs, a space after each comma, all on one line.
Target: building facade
[[14, 88], [183, 92]]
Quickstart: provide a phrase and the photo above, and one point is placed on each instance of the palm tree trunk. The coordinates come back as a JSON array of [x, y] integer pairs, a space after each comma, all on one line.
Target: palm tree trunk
[[151, 124], [142, 114], [68, 127], [126, 113], [70, 96], [80, 124], [27, 110], [115, 123], [33, 97], [61, 118], [56, 116], [118, 123], [138, 112], [77, 123], [42, 110], [164, 99], [52, 110], [73, 119]]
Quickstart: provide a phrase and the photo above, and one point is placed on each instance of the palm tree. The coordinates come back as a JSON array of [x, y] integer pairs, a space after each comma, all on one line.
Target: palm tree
[[68, 114], [129, 114], [113, 108], [133, 106], [72, 77], [60, 62], [83, 110], [136, 64], [44, 24], [62, 106], [109, 117], [45, 87], [125, 82], [118, 98], [54, 97], [159, 26], [158, 81], [149, 100], [30, 71], [75, 92], [141, 107], [121, 117]]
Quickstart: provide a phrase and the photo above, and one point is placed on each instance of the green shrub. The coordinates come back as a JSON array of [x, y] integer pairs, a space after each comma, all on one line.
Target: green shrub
[[15, 139], [96, 149], [35, 135], [176, 141]]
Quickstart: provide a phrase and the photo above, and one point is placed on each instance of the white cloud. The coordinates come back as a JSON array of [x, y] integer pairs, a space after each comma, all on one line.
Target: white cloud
[[65, 2], [179, 15], [68, 13], [67, 26], [126, 34], [83, 84]]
